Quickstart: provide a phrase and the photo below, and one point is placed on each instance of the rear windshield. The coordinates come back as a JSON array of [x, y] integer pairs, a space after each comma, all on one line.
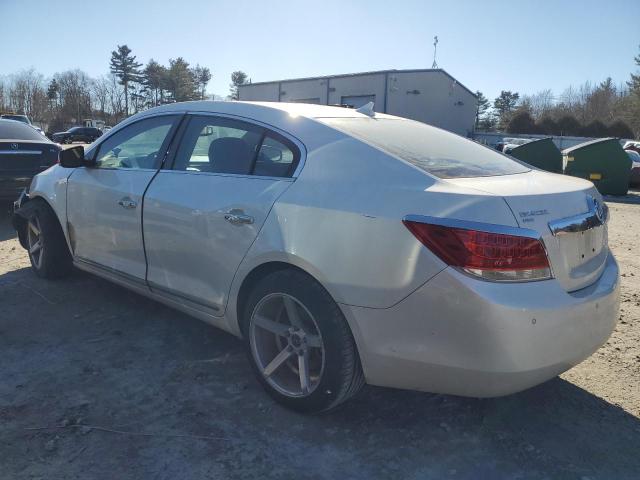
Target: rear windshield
[[19, 118], [12, 130], [435, 151]]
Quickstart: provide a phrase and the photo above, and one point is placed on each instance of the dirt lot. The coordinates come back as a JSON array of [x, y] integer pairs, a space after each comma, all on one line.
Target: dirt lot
[[97, 382]]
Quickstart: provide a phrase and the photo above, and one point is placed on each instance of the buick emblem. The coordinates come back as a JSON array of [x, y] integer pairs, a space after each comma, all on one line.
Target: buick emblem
[[596, 207], [14, 146]]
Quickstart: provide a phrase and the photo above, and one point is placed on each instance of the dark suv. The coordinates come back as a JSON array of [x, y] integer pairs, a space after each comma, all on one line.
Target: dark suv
[[77, 134]]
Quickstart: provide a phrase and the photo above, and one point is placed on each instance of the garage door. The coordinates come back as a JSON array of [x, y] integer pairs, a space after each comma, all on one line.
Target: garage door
[[356, 101]]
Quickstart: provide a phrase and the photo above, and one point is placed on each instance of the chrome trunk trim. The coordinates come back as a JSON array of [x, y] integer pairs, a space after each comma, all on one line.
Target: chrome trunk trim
[[596, 216]]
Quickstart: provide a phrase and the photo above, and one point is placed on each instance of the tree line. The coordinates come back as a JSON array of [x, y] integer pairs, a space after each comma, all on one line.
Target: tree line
[[600, 110], [68, 97]]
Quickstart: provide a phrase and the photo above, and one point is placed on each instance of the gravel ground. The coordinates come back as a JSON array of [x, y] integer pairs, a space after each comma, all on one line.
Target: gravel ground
[[97, 382]]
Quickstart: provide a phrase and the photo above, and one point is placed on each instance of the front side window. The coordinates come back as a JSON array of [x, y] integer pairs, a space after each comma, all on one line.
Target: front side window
[[137, 146], [221, 145]]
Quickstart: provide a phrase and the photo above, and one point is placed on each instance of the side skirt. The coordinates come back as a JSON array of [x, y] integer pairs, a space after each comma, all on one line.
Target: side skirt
[[140, 287]]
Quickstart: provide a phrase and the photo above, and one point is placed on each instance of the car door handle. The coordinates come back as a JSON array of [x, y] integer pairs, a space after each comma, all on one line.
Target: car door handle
[[127, 203], [238, 218]]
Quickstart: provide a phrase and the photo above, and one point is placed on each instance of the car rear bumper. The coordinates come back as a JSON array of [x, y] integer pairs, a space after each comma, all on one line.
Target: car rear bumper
[[462, 336], [12, 185]]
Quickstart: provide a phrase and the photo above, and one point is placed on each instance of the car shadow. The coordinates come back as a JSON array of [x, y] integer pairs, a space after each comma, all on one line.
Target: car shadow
[[632, 197], [84, 351]]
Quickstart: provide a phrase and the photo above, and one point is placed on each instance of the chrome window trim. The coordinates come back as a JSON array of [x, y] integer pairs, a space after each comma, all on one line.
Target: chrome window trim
[[20, 152], [232, 175], [582, 222], [267, 126], [121, 169], [471, 225]]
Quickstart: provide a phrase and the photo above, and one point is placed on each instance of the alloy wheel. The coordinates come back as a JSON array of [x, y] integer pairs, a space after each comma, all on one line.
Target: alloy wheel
[[36, 246], [286, 345]]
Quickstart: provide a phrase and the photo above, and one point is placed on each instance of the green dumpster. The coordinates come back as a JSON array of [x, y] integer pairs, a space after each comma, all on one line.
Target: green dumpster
[[542, 154], [602, 161]]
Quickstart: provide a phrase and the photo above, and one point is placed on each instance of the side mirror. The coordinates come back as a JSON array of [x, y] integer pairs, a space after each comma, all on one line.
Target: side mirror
[[73, 157]]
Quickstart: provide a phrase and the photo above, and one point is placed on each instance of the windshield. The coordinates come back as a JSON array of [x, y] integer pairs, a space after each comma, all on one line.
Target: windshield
[[18, 131], [19, 118], [431, 149]]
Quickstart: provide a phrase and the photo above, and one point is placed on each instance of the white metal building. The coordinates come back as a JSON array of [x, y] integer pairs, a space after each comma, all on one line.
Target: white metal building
[[430, 95]]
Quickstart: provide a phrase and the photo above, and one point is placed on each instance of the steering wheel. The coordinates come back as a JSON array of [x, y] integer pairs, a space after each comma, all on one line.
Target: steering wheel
[[129, 162]]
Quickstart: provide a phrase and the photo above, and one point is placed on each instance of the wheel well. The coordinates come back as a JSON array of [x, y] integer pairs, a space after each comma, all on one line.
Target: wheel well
[[22, 215], [254, 277]]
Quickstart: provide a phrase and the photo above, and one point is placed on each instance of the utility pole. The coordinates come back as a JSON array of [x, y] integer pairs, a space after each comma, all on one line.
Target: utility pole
[[435, 50]]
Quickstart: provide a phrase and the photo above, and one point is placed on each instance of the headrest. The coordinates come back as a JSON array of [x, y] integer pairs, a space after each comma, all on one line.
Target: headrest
[[230, 155]]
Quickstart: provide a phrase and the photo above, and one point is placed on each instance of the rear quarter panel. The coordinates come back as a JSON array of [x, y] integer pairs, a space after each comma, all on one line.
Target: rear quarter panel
[[341, 221]]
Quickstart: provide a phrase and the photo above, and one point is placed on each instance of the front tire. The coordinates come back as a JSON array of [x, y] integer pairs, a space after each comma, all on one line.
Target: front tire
[[299, 343], [46, 245]]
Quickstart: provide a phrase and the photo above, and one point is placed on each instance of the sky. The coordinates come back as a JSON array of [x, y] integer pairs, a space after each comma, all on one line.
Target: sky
[[519, 45]]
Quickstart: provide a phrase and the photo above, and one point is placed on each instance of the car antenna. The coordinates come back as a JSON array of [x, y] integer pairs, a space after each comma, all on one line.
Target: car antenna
[[367, 109]]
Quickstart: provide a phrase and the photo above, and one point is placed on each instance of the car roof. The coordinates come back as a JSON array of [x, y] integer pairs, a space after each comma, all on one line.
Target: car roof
[[252, 109], [293, 118]]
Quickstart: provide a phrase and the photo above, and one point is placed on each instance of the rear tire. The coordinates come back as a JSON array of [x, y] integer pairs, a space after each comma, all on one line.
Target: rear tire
[[46, 244], [299, 344]]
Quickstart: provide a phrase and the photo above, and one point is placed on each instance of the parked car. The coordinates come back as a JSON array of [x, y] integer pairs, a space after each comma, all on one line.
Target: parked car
[[77, 134], [23, 154], [23, 119], [634, 180], [342, 248], [508, 144], [16, 117], [630, 145]]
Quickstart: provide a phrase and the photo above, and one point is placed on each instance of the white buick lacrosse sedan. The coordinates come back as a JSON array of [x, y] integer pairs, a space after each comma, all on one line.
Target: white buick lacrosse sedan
[[344, 247]]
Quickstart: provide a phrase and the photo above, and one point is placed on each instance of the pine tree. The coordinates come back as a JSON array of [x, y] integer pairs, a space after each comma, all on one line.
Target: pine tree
[[483, 106], [180, 81], [504, 105], [154, 78], [202, 76], [124, 66], [52, 92], [237, 78]]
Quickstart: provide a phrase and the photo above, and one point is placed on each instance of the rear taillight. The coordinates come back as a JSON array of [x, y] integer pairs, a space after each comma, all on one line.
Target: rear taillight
[[489, 255]]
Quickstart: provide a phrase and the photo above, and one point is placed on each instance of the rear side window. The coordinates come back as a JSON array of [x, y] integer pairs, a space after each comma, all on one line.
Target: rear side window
[[275, 158], [221, 145], [438, 152]]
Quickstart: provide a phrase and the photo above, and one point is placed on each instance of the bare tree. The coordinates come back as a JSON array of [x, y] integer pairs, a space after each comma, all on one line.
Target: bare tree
[[116, 99], [100, 90]]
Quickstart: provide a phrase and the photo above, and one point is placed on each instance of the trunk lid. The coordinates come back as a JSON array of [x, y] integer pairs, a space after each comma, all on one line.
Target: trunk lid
[[573, 208], [26, 157]]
